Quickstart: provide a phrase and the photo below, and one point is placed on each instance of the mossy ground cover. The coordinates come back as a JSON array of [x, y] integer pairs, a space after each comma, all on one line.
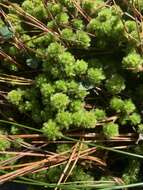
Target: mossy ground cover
[[71, 93]]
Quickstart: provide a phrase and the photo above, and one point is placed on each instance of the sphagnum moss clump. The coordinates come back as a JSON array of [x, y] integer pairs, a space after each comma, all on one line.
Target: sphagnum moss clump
[[74, 70]]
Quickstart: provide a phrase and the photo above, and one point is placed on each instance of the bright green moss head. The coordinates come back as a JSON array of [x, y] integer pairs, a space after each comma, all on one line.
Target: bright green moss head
[[59, 101], [61, 86], [51, 130], [54, 8], [133, 61], [129, 106], [4, 142], [107, 24], [82, 39], [66, 58], [117, 104], [54, 50], [47, 90], [64, 119], [76, 105], [115, 84], [100, 114], [62, 18], [80, 67], [67, 34], [15, 96], [135, 118], [95, 75], [111, 129], [35, 8], [77, 24], [84, 119]]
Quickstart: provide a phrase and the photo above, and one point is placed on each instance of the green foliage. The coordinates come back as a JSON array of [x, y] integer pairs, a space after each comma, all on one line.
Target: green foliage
[[135, 119], [51, 130], [129, 106], [4, 158], [17, 143], [76, 105], [46, 90], [59, 101], [132, 30], [54, 173], [80, 67], [64, 119], [54, 8], [67, 34], [39, 176], [133, 61], [117, 104], [15, 96], [35, 8], [111, 129], [91, 7], [66, 58], [4, 142], [63, 148], [77, 24], [100, 114], [131, 174], [66, 62], [84, 119], [139, 5], [95, 75], [80, 175], [140, 128], [115, 84], [72, 67], [54, 49], [61, 86], [107, 23], [82, 39], [62, 18], [14, 130]]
